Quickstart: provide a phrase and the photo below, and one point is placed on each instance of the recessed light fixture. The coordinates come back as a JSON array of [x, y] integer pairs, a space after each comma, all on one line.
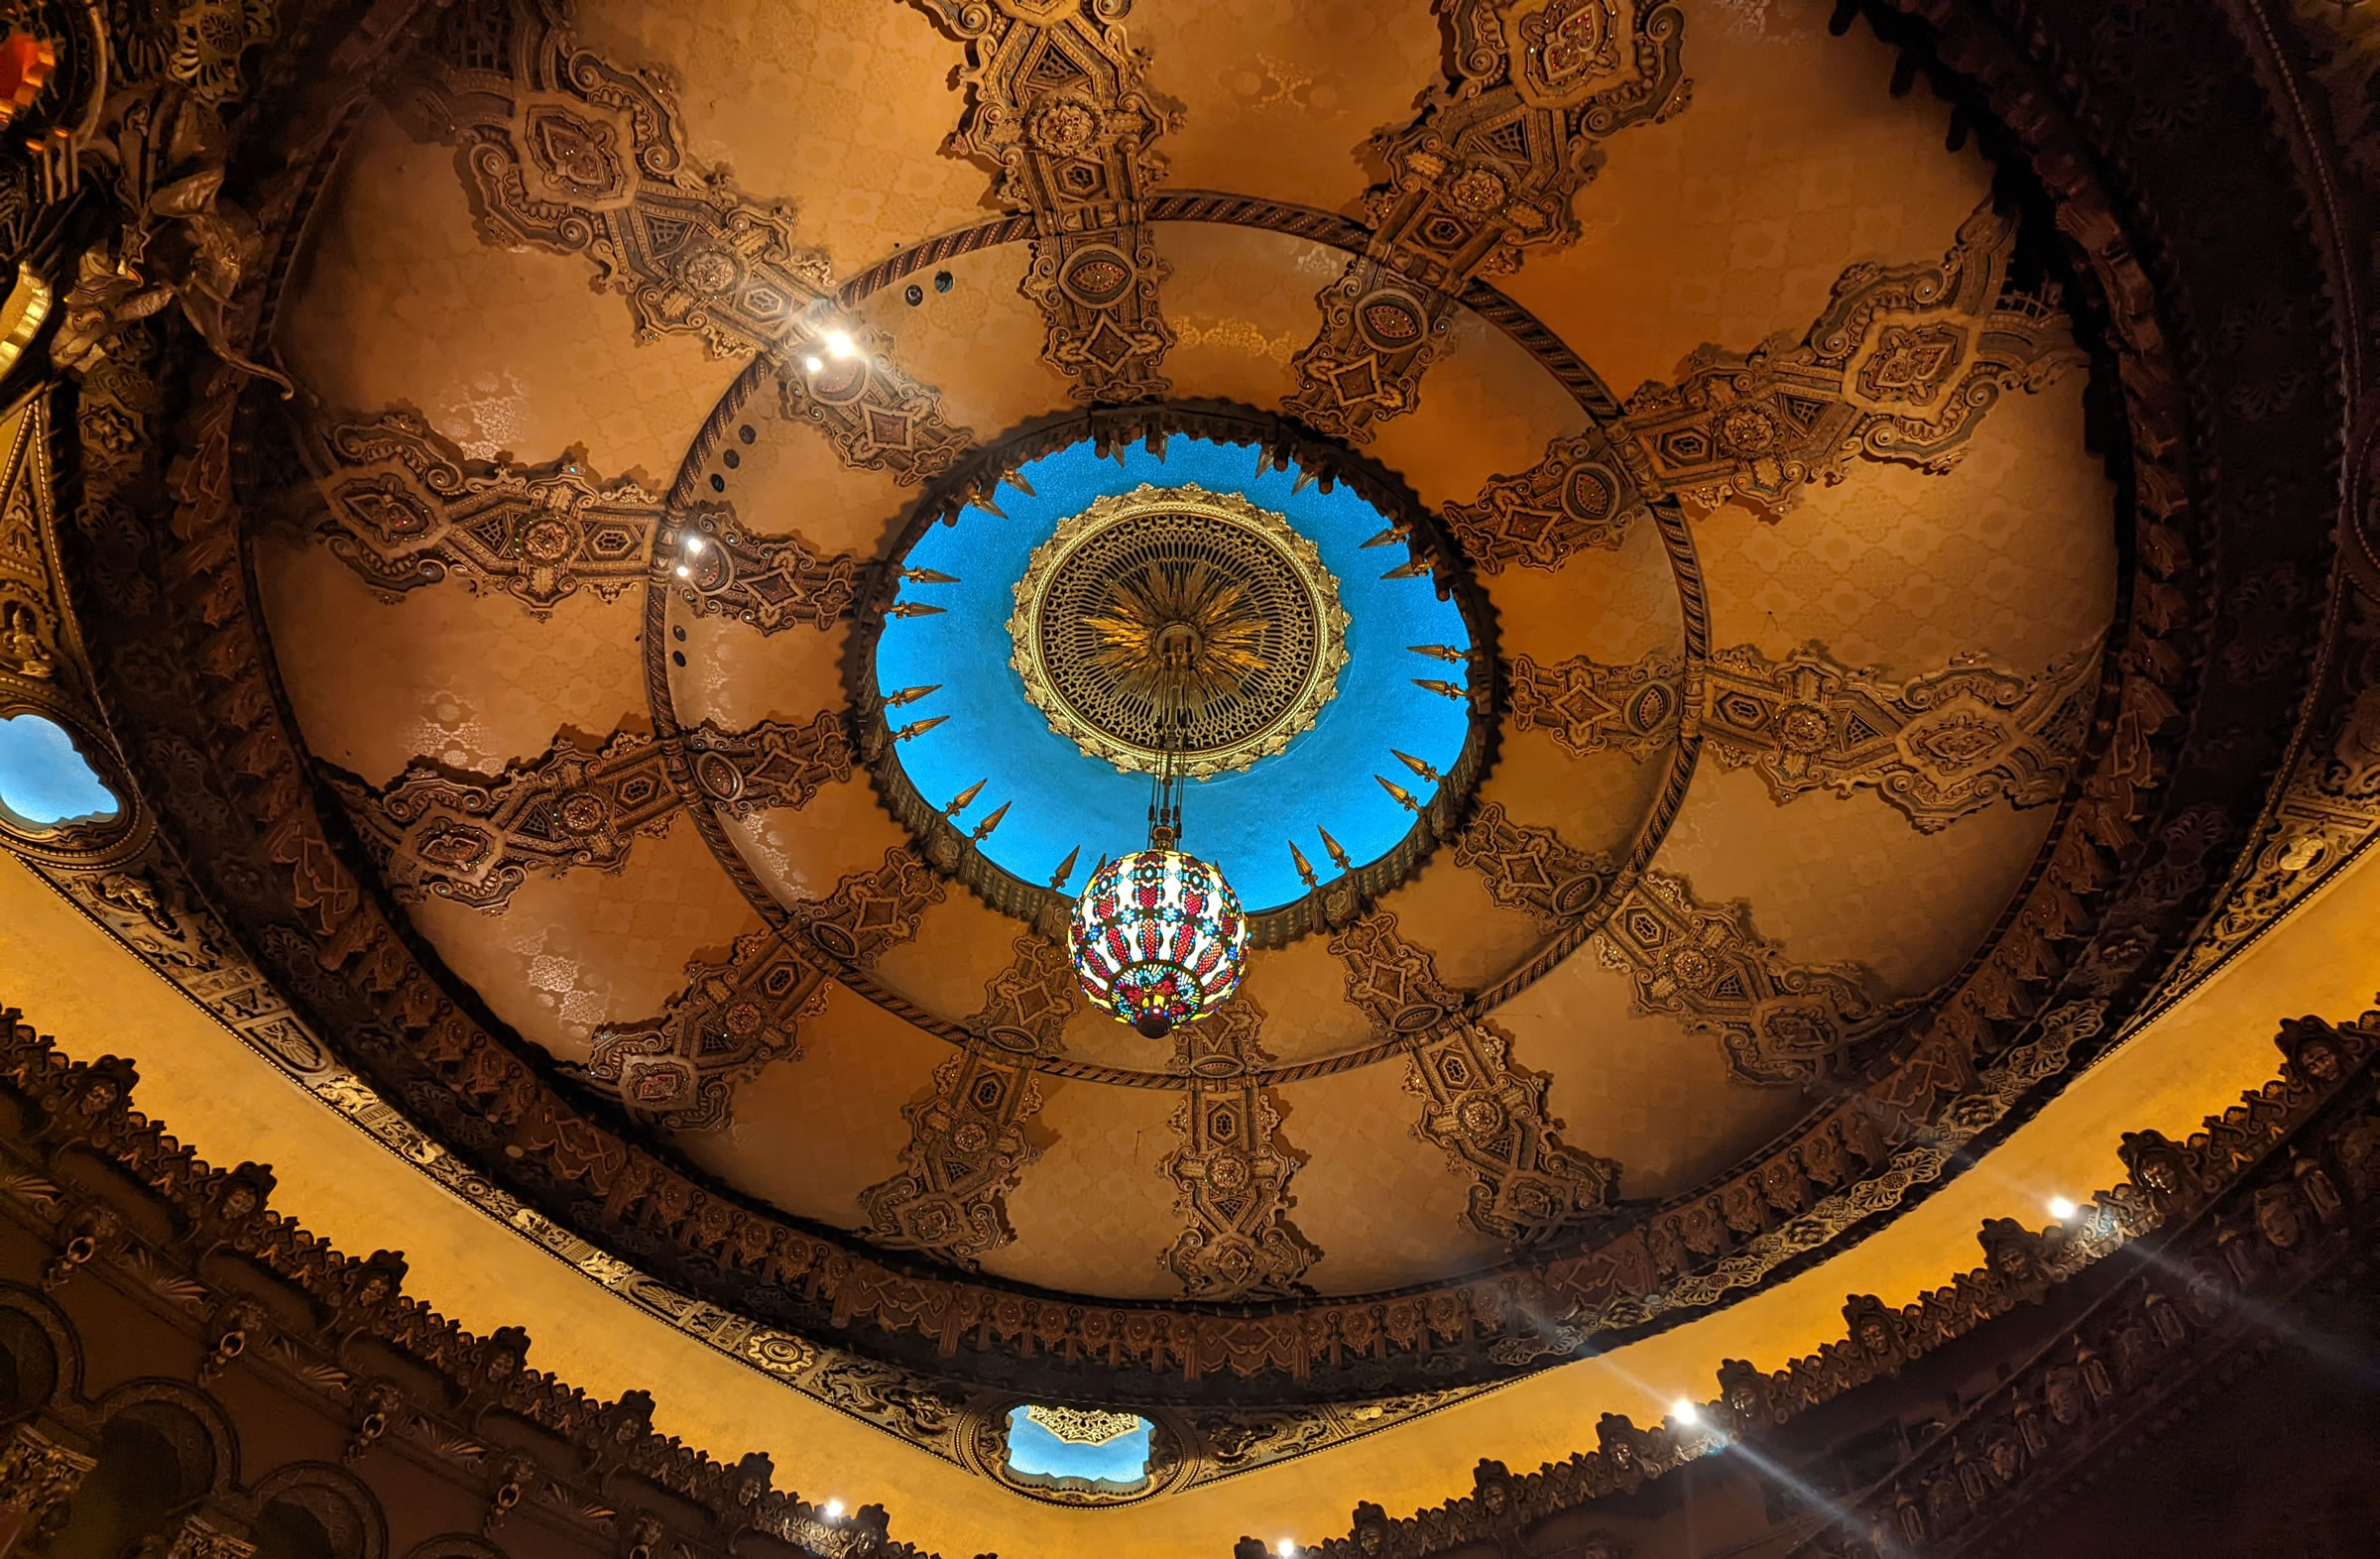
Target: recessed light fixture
[[812, 364], [684, 572], [1285, 1548], [2062, 1209], [839, 344], [1684, 1412], [833, 1511]]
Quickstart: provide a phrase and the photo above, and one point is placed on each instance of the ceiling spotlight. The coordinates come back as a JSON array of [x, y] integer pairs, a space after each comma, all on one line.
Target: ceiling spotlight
[[694, 545], [684, 572], [812, 364], [2062, 1209], [834, 1511], [1285, 1548], [1684, 1412], [839, 344]]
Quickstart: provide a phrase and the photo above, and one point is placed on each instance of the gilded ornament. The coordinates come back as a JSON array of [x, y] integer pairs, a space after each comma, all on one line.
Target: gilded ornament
[[1183, 600]]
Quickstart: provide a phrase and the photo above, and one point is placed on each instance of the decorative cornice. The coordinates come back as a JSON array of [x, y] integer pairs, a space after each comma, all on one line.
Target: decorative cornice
[[454, 1379]]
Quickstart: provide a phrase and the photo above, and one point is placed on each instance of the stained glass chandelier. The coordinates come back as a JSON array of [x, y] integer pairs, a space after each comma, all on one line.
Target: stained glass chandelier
[[1158, 939]]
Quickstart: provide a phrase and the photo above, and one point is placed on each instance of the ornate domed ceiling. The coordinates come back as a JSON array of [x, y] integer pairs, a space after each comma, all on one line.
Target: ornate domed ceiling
[[1685, 562]]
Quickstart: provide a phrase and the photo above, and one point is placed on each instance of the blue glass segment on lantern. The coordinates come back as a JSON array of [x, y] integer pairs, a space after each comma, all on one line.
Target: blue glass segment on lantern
[[1158, 939]]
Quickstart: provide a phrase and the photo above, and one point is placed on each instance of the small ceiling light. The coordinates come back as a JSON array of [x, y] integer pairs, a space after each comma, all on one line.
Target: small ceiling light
[[834, 1509], [694, 545], [683, 571], [1285, 1548], [2062, 1209], [839, 344], [1684, 1412], [812, 364]]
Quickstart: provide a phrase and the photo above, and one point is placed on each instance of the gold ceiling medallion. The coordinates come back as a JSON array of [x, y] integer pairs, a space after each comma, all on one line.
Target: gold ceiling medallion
[[1179, 598]]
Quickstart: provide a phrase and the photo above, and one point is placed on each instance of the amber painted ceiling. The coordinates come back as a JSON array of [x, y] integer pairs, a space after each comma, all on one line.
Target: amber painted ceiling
[[1826, 578]]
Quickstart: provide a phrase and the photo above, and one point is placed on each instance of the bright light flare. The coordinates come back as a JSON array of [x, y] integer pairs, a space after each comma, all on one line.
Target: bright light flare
[[1684, 1412], [839, 344], [2062, 1209], [833, 1511]]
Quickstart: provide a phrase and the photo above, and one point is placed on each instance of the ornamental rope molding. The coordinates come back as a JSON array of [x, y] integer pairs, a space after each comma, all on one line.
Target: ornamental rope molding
[[1178, 600]]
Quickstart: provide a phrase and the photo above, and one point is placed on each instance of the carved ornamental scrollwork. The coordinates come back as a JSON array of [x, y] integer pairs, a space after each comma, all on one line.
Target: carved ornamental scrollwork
[[968, 1143], [563, 150], [1780, 1022], [735, 1016], [1057, 108], [1391, 981], [1231, 1175], [1486, 172], [1026, 1006], [1935, 748], [1487, 1113], [766, 582], [1901, 366], [39, 1479], [446, 833], [1531, 869], [407, 508], [1578, 496]]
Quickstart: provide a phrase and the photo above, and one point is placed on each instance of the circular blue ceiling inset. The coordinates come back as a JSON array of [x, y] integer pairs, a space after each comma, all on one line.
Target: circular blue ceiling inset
[[1344, 703]]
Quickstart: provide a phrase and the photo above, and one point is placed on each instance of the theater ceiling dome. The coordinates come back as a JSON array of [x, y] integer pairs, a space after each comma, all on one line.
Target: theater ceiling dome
[[1650, 525]]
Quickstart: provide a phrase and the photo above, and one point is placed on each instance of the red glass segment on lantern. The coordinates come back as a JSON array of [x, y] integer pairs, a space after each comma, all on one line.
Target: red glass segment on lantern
[[1158, 939]]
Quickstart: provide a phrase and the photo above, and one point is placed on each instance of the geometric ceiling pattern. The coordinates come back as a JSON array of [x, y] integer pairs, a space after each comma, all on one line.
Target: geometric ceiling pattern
[[1821, 753]]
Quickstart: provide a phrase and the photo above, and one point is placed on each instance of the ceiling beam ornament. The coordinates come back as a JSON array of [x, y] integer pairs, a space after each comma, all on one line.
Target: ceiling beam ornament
[[1231, 1175], [1580, 495], [1531, 869], [1391, 981], [1782, 1023], [1055, 108], [1486, 172], [1900, 367], [869, 912], [766, 582], [1588, 708], [1027, 1004], [1487, 1113], [680, 1070], [1935, 748], [561, 149], [438, 832], [407, 508], [1224, 1045], [968, 1144]]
